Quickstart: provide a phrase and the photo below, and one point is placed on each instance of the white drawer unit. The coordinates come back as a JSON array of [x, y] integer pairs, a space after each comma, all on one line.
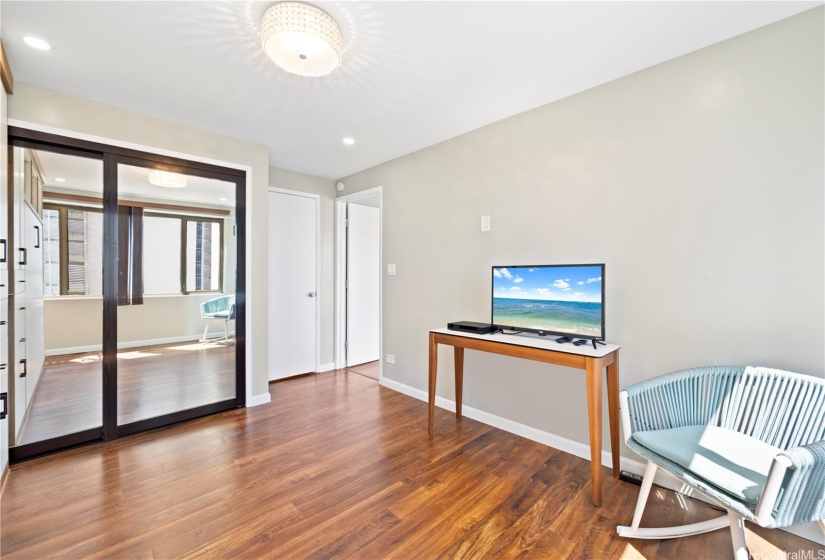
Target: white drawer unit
[[4, 284]]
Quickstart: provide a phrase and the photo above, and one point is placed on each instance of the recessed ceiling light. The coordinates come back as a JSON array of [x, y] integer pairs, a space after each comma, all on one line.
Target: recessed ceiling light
[[37, 43], [349, 141], [60, 180]]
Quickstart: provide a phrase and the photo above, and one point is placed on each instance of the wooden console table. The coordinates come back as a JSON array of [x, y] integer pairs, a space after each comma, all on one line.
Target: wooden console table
[[586, 358]]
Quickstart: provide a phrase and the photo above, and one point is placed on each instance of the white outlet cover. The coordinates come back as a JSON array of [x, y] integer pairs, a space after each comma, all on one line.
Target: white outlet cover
[[390, 359], [485, 223]]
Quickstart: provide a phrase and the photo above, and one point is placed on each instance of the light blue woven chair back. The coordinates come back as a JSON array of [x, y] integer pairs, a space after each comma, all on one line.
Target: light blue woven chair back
[[781, 408], [777, 407]]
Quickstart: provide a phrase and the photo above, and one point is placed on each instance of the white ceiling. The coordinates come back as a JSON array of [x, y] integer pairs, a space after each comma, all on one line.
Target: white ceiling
[[413, 73], [85, 174]]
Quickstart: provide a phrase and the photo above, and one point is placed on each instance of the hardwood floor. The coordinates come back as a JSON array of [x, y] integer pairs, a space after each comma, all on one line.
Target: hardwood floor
[[337, 466], [152, 381], [369, 369]]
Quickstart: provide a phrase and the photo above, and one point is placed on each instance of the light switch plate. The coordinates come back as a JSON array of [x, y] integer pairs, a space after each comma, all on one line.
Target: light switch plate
[[390, 270]]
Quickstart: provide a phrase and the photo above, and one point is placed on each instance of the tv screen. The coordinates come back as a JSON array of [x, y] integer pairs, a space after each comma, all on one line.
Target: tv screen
[[566, 300]]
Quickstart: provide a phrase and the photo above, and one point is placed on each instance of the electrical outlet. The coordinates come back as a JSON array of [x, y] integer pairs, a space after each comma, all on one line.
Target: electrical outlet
[[390, 270], [485, 223], [390, 359]]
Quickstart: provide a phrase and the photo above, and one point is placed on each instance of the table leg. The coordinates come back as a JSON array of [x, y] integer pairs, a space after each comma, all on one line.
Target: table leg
[[459, 380], [613, 410], [433, 375], [594, 369]]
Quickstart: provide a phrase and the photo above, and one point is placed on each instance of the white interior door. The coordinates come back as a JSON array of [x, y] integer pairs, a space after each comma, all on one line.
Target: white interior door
[[293, 296], [363, 275]]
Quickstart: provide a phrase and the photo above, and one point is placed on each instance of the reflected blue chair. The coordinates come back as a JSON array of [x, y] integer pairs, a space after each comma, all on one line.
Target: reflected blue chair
[[219, 308], [750, 439]]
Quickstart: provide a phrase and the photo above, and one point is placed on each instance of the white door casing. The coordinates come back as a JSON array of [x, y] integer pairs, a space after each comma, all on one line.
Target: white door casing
[[363, 276], [293, 283]]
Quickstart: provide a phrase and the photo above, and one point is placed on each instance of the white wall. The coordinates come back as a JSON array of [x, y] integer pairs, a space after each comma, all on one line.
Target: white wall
[[78, 116], [282, 179], [699, 182]]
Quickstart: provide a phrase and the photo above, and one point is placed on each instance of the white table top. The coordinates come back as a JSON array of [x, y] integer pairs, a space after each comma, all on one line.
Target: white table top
[[535, 341]]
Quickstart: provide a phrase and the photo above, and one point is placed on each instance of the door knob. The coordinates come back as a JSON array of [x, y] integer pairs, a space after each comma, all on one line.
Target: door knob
[[311, 294]]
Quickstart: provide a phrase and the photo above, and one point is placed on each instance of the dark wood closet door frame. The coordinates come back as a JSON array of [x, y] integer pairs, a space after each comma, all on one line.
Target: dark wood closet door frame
[[112, 156]]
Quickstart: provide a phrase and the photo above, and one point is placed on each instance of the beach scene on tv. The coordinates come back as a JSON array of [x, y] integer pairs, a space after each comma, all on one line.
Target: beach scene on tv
[[562, 299]]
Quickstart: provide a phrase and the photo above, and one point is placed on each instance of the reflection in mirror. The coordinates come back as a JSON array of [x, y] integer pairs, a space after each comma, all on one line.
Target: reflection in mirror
[[58, 334], [182, 329]]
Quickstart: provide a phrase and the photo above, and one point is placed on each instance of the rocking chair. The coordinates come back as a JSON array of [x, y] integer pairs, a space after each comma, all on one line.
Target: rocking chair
[[750, 439]]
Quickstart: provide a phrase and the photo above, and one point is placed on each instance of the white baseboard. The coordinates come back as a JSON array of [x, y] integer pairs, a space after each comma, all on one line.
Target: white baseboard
[[326, 367], [132, 344], [257, 400], [808, 531]]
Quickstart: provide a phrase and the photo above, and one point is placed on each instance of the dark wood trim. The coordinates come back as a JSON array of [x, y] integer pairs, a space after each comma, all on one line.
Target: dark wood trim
[[123, 254], [110, 295], [128, 156], [63, 227], [136, 287], [51, 195], [5, 72], [53, 445], [173, 418], [240, 291]]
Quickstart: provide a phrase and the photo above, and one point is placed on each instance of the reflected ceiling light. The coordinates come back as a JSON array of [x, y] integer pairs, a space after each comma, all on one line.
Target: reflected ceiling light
[[167, 179], [60, 180], [37, 43], [223, 199], [348, 141], [301, 39]]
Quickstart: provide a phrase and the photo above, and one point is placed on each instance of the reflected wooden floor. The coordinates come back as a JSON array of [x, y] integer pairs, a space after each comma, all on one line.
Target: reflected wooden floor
[[152, 381], [337, 466], [369, 369]]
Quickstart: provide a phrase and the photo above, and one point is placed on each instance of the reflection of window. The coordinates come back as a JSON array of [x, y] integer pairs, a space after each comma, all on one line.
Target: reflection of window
[[203, 255], [84, 232], [161, 255], [72, 251], [51, 252], [181, 254]]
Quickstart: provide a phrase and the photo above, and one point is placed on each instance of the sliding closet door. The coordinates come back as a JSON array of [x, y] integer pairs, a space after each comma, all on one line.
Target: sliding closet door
[[129, 291], [176, 303], [57, 305]]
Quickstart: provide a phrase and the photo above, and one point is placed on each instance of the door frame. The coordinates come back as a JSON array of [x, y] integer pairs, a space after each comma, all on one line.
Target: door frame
[[318, 262], [112, 153], [341, 275]]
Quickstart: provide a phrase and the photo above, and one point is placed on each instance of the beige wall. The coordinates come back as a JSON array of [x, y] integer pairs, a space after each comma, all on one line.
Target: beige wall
[[75, 324], [46, 108], [282, 179], [699, 182]]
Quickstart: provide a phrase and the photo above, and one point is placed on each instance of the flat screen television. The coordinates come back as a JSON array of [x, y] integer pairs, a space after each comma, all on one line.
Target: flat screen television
[[565, 300]]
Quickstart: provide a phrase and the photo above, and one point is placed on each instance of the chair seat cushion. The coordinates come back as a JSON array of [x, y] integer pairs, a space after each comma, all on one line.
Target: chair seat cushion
[[218, 315], [733, 462]]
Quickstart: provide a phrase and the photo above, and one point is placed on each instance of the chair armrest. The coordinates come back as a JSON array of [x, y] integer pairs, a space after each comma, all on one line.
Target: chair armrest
[[801, 497]]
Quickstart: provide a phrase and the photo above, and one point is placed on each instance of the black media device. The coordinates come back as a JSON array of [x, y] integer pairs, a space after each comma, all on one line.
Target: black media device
[[471, 327]]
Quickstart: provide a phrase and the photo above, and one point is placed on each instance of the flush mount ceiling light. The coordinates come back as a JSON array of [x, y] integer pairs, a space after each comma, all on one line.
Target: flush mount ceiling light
[[301, 39], [167, 179], [348, 141]]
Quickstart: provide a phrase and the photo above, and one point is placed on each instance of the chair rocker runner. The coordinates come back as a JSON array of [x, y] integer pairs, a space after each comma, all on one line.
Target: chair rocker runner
[[750, 439], [222, 308]]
